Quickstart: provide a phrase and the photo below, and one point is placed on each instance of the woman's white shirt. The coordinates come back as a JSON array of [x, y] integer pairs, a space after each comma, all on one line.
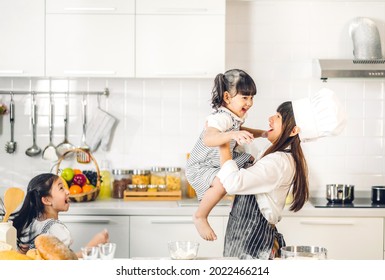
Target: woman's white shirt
[[270, 179]]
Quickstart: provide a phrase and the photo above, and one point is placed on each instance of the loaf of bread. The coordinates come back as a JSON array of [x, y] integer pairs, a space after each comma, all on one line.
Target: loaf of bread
[[34, 254], [51, 248], [13, 255]]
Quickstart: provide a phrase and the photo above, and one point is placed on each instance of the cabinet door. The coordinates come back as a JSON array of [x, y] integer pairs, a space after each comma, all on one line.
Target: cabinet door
[[180, 45], [83, 228], [149, 235], [22, 38], [90, 38], [180, 38], [344, 238]]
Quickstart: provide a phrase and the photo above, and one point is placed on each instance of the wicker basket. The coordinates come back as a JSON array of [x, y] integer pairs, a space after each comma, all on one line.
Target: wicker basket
[[88, 196]]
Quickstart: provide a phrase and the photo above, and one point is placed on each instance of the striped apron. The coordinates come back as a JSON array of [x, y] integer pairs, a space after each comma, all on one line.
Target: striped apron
[[249, 235]]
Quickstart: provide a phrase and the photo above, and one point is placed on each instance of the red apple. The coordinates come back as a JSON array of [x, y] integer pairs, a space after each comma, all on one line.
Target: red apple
[[79, 179]]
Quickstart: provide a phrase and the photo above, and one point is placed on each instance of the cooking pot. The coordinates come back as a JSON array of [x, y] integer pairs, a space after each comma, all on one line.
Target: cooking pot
[[340, 193], [378, 194]]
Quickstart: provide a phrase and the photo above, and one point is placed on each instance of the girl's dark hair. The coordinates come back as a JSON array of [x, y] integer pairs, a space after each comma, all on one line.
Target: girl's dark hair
[[284, 142], [234, 81], [33, 207]]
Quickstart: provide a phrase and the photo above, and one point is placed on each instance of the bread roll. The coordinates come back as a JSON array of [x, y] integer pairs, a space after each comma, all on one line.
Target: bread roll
[[13, 255], [51, 248], [34, 254]]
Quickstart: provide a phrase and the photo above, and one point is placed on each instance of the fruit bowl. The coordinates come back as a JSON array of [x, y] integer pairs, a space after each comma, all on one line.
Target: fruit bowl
[[183, 250], [80, 179]]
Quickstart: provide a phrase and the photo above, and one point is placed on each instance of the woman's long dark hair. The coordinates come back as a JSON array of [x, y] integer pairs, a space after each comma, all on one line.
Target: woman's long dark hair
[[33, 207], [233, 81], [300, 186]]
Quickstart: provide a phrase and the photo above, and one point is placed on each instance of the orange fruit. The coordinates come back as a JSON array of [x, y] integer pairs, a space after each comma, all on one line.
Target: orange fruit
[[77, 171], [87, 188], [75, 189]]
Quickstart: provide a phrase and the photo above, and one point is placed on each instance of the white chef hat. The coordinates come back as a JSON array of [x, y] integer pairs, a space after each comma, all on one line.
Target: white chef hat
[[319, 116]]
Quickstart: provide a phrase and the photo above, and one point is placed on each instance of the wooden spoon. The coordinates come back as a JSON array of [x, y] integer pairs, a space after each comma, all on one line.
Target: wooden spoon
[[12, 199]]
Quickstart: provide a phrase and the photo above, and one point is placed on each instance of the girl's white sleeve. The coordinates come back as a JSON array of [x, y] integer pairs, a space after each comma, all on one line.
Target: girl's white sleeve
[[62, 233], [220, 121], [264, 176]]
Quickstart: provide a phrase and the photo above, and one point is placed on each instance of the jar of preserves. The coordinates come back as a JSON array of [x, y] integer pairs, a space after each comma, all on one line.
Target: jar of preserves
[[158, 176], [131, 188], [152, 188], [141, 188], [173, 178], [162, 188], [141, 177], [122, 178]]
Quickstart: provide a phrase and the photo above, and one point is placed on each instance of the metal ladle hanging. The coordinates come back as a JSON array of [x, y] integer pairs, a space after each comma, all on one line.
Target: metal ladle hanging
[[34, 150]]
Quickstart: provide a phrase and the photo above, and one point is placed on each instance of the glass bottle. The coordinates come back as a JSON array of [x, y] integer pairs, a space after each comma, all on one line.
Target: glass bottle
[[106, 180], [8, 234]]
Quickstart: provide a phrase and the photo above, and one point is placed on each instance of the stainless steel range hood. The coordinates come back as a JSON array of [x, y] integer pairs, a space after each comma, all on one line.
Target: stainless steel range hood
[[351, 68], [368, 61]]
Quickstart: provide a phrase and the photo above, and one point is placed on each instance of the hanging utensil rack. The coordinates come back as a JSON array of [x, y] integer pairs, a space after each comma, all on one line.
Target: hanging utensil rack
[[105, 92]]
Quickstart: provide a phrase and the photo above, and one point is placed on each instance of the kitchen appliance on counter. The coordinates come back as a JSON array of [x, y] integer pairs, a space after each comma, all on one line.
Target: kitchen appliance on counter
[[342, 196], [339, 193]]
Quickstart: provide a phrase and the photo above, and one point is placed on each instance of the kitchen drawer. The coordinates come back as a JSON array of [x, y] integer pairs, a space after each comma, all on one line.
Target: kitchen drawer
[[90, 6], [83, 228], [180, 7], [149, 235]]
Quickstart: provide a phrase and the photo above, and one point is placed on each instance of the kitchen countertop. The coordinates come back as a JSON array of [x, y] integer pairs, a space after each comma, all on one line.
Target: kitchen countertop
[[185, 207]]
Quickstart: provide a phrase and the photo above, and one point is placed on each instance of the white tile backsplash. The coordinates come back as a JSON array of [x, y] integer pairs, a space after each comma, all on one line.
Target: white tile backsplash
[[277, 42]]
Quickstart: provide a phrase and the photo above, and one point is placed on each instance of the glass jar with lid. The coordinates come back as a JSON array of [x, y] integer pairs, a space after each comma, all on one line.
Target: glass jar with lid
[[122, 178], [173, 178], [141, 177], [158, 175]]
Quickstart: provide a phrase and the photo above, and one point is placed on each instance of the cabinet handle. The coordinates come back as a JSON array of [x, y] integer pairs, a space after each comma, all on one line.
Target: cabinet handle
[[327, 222], [172, 222], [187, 74], [181, 10], [91, 9], [77, 221], [11, 71], [80, 72]]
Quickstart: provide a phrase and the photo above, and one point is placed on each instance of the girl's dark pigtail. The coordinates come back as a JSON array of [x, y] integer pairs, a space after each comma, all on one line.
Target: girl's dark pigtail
[[218, 91]]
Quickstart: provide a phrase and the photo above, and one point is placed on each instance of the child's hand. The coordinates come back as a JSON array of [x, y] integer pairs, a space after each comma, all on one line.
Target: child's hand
[[264, 134], [242, 137], [100, 238]]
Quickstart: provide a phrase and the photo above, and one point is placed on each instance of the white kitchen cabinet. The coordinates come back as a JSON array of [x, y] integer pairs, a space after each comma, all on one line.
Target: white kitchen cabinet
[[83, 228], [347, 238], [90, 38], [180, 38], [149, 235], [22, 38]]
